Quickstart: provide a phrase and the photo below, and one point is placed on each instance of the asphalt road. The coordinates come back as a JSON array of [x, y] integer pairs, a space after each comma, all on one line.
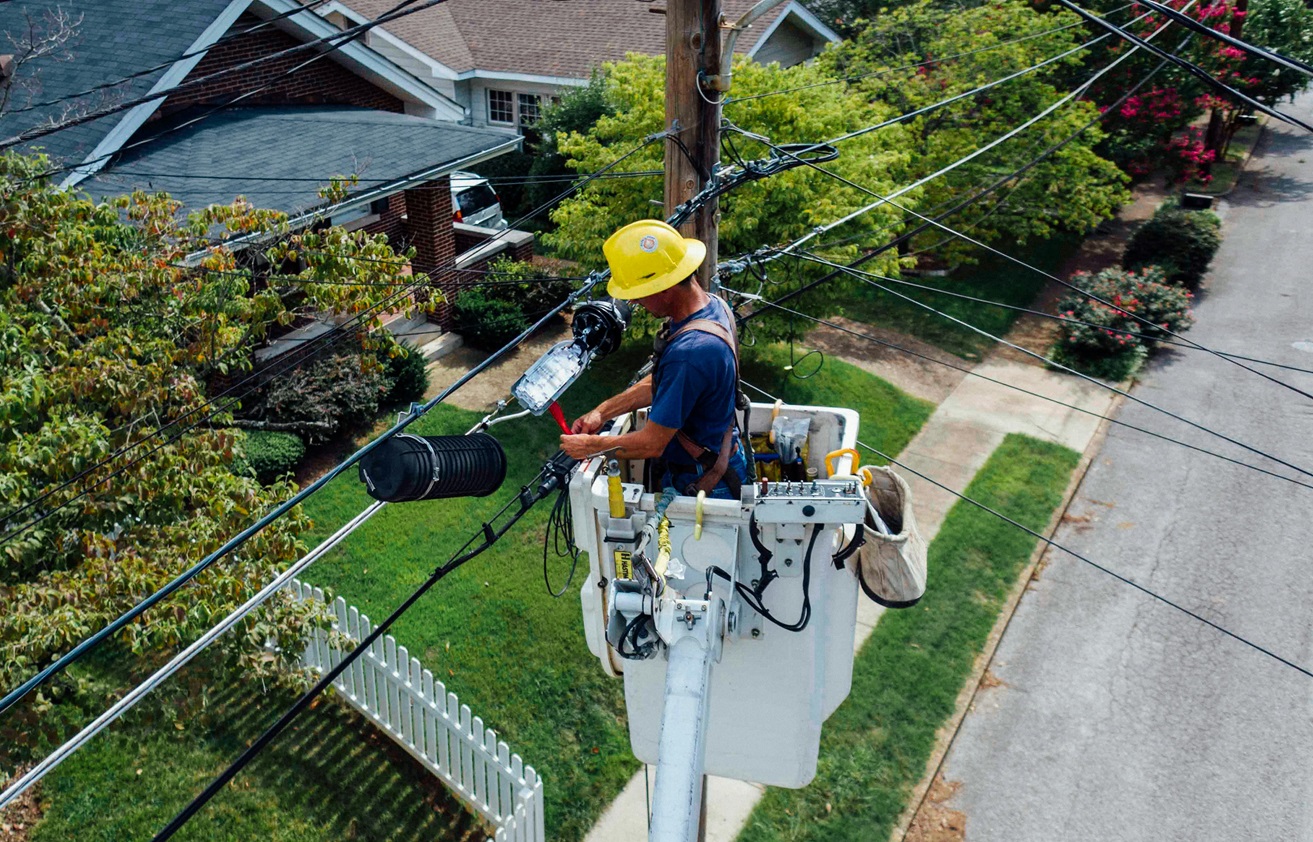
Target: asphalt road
[[1120, 718]]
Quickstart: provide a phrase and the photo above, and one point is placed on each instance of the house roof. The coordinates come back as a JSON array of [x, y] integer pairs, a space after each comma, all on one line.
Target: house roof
[[112, 39], [541, 39], [278, 158]]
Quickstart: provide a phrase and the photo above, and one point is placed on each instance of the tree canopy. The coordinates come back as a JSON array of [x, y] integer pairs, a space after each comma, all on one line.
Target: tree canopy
[[114, 469]]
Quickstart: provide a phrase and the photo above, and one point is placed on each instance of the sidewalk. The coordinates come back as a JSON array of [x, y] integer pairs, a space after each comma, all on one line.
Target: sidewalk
[[951, 447]]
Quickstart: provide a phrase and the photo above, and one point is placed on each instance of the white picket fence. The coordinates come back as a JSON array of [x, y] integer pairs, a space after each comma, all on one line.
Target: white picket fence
[[402, 698]]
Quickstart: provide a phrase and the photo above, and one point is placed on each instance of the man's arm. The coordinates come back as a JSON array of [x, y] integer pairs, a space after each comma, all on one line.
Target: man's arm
[[635, 397], [647, 443]]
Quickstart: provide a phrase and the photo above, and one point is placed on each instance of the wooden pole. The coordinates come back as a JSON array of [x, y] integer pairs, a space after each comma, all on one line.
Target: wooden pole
[[692, 44]]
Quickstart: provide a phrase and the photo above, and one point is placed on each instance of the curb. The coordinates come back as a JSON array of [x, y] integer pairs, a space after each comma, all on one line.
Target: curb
[[967, 696]]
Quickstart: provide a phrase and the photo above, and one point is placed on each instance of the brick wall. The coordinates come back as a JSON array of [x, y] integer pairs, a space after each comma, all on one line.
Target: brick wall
[[428, 228], [392, 222], [321, 83]]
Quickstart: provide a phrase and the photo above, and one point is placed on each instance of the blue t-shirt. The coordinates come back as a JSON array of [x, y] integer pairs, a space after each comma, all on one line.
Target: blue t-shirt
[[695, 385]]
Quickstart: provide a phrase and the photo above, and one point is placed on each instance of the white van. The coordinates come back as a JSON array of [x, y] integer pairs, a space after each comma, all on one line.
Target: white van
[[474, 202]]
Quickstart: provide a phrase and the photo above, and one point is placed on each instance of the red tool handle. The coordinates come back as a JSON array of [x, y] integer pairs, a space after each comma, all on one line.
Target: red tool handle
[[555, 410]]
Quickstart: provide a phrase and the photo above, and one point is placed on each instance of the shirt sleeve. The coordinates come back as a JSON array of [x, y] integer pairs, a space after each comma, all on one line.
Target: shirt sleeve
[[682, 384]]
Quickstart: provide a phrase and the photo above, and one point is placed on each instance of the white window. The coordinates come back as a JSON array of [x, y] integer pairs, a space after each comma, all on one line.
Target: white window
[[501, 107], [528, 109]]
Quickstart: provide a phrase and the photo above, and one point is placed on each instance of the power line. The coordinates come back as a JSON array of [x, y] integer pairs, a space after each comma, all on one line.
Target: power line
[[549, 480], [1226, 38], [927, 63], [131, 614], [1068, 369], [326, 340], [1069, 320], [335, 41], [1190, 67], [1066, 284], [971, 372], [1050, 542], [165, 64]]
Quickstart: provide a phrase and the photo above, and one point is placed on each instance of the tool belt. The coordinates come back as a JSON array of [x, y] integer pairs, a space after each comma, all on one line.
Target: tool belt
[[714, 465]]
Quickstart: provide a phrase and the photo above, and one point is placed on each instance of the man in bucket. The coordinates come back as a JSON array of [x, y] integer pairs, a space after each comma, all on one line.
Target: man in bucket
[[694, 385]]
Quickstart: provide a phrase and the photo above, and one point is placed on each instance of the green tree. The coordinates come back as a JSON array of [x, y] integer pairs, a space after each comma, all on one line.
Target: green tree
[[775, 210], [108, 338], [1072, 190], [577, 111]]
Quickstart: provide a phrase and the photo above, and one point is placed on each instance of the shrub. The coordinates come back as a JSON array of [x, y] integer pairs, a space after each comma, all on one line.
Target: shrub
[[407, 372], [1181, 241], [487, 322], [537, 291], [326, 396], [267, 455], [1101, 340]]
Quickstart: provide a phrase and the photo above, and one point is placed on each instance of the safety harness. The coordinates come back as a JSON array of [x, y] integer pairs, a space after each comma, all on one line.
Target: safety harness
[[714, 465]]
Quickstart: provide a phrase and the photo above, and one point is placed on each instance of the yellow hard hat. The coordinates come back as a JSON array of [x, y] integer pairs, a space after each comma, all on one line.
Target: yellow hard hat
[[649, 256]]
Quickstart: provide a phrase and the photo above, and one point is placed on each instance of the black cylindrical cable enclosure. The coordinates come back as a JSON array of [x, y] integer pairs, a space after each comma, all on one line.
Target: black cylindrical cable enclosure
[[407, 467]]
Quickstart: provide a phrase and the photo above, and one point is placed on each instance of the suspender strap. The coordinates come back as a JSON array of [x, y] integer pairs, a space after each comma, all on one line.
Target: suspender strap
[[714, 465]]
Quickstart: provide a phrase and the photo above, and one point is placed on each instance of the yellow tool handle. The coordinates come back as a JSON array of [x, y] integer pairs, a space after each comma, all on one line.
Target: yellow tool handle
[[832, 455], [697, 516]]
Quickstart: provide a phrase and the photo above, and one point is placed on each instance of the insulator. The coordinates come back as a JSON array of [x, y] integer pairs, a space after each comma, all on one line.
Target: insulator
[[409, 467]]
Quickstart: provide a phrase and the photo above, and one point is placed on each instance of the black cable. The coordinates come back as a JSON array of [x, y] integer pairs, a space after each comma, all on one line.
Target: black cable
[[525, 498], [325, 341], [229, 36], [1052, 317], [928, 62], [1094, 380], [973, 373], [334, 42], [1050, 542], [131, 614], [1226, 38], [1188, 66], [560, 536]]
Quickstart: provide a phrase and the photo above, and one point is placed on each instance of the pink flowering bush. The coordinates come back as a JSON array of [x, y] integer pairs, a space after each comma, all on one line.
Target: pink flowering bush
[[1105, 339]]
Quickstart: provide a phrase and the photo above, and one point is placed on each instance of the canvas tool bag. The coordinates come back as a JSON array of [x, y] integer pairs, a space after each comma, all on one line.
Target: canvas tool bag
[[892, 562]]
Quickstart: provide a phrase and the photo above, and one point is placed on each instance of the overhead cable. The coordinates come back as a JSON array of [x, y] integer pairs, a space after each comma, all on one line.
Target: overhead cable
[[972, 372], [146, 71], [42, 768], [333, 42], [548, 481], [927, 63], [131, 614], [1190, 67], [1227, 38], [320, 345], [1050, 542], [1094, 380]]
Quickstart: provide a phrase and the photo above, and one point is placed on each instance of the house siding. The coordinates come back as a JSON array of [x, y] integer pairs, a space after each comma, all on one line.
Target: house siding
[[789, 45], [323, 83]]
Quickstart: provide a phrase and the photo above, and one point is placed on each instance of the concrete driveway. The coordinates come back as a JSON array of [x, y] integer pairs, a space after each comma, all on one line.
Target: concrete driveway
[[1117, 717]]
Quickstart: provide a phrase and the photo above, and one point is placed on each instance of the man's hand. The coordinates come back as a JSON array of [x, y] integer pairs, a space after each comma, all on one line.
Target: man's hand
[[580, 446], [589, 422]]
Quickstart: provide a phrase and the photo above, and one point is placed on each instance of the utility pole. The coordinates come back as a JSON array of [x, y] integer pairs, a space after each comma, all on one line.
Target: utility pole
[[693, 46]]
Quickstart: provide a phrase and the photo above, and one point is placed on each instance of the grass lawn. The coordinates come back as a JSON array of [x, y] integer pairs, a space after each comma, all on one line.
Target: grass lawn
[[490, 631], [993, 278], [128, 782], [907, 676]]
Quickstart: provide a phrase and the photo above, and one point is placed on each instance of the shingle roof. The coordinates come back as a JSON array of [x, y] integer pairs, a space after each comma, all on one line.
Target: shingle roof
[[114, 39], [230, 152], [547, 39]]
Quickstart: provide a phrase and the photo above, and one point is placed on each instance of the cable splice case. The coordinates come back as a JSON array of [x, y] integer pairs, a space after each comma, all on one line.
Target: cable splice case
[[771, 688]]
